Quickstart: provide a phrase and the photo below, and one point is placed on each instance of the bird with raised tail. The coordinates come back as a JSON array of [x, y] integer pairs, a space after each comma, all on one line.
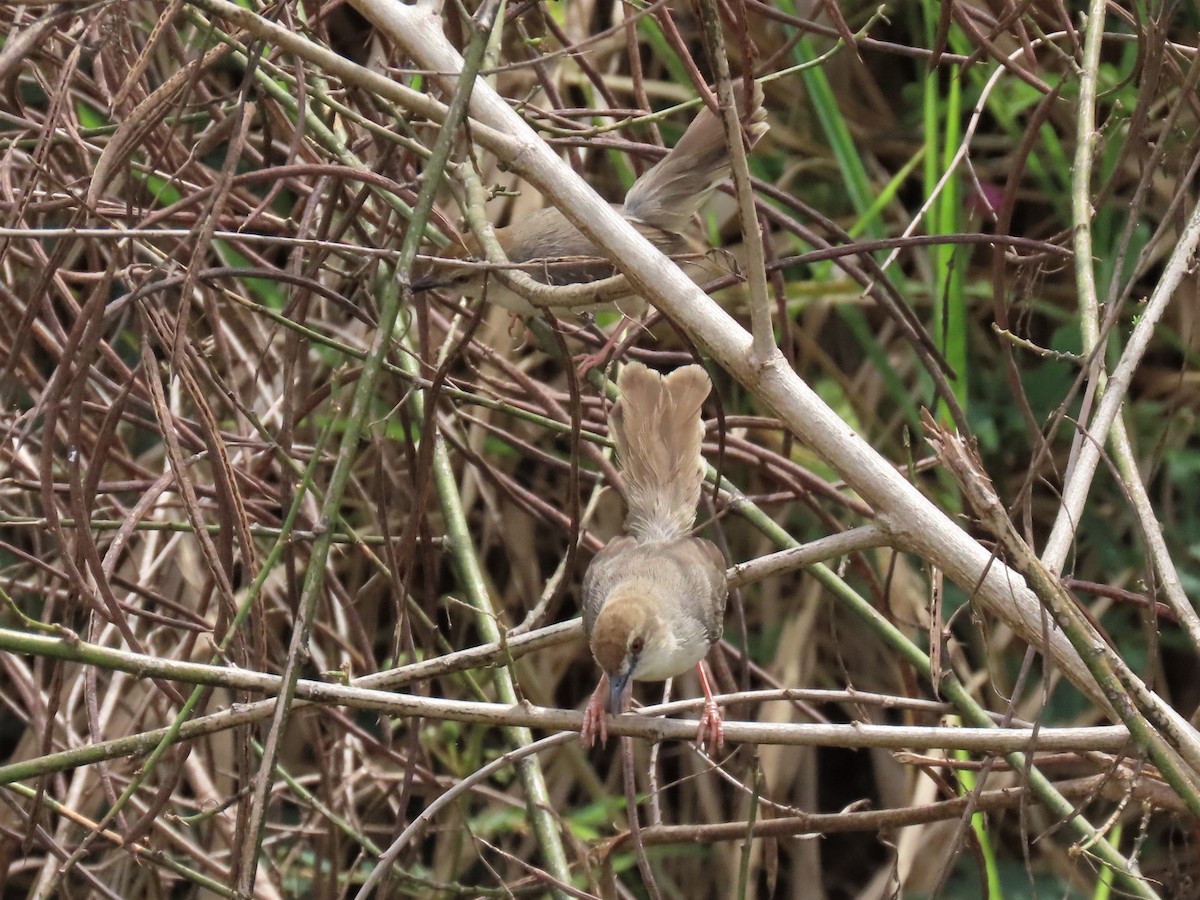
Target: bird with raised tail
[[660, 205], [654, 599]]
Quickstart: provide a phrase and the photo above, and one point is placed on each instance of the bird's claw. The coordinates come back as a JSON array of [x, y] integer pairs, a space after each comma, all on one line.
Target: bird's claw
[[712, 729], [585, 362], [594, 718]]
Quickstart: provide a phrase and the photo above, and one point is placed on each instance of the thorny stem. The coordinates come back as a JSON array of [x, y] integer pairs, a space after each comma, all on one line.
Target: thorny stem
[[752, 236], [1124, 690], [1089, 443]]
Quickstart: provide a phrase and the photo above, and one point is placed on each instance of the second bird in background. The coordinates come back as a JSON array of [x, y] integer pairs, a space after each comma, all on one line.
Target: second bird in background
[[660, 204], [654, 600]]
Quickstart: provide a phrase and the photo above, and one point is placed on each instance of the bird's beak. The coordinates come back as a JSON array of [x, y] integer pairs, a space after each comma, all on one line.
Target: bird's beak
[[427, 283], [618, 687]]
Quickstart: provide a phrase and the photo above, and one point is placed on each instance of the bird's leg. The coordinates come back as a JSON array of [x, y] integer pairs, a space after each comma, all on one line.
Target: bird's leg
[[519, 332], [585, 362], [712, 730], [593, 715]]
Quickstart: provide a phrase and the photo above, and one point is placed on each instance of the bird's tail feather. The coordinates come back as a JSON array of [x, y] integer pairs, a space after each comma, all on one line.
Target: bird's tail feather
[[670, 193], [658, 431]]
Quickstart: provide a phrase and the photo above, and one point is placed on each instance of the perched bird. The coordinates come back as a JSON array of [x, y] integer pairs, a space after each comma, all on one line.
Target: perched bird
[[654, 599], [661, 203]]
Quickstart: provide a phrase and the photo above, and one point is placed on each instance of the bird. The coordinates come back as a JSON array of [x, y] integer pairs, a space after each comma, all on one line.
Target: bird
[[660, 205], [654, 598]]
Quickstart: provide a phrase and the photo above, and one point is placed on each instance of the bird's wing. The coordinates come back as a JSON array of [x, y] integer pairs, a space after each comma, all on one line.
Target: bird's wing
[[706, 589], [714, 573]]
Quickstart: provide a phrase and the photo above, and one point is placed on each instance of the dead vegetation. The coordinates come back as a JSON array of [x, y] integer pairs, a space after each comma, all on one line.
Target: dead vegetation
[[219, 457]]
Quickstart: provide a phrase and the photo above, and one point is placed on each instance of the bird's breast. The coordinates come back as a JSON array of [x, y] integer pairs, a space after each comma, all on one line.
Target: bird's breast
[[678, 654]]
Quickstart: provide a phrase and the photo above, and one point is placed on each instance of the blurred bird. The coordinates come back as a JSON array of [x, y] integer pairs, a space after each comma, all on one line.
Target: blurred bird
[[654, 600], [661, 203]]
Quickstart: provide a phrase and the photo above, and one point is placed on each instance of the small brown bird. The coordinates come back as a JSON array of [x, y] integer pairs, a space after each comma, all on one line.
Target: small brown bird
[[654, 600], [661, 203]]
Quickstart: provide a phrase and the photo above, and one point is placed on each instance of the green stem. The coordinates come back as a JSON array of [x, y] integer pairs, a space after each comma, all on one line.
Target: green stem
[[474, 584], [361, 405]]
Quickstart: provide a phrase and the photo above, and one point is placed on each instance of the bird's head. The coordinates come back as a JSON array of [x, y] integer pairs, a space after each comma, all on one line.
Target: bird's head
[[626, 639], [458, 267]]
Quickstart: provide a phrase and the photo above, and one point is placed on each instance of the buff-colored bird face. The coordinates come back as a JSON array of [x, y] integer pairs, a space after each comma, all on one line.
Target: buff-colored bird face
[[618, 642], [632, 642]]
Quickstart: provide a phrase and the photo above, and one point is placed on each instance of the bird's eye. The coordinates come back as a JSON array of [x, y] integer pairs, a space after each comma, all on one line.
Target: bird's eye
[[636, 645]]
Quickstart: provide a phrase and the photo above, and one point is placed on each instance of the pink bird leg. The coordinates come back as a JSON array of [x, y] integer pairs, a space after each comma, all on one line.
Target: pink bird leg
[[594, 718], [712, 729]]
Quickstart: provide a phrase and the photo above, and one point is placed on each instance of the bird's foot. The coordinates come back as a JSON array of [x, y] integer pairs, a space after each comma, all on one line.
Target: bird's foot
[[519, 333], [594, 718], [585, 362], [712, 728]]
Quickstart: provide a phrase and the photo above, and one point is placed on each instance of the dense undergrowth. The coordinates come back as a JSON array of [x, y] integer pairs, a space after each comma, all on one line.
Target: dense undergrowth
[[201, 230]]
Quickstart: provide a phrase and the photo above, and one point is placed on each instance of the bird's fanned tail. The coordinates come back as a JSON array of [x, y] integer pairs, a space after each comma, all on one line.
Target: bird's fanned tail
[[658, 432], [670, 193]]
